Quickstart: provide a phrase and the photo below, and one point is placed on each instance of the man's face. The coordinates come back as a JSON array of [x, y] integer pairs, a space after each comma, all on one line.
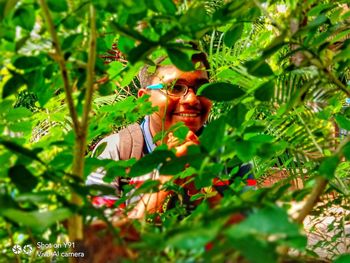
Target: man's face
[[191, 109]]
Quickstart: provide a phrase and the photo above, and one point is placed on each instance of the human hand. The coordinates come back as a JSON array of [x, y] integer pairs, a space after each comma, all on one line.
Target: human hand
[[181, 149]]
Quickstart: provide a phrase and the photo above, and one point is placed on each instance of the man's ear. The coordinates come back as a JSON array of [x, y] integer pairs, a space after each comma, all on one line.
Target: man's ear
[[141, 92]]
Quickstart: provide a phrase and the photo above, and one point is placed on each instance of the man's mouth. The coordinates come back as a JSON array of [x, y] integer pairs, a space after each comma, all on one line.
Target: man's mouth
[[188, 114]]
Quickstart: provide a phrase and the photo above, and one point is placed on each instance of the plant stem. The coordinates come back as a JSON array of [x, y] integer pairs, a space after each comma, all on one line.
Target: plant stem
[[12, 242], [316, 192], [75, 226], [61, 62], [90, 70]]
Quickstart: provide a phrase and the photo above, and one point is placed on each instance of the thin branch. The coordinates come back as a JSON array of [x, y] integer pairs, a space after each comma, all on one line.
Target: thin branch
[[90, 70], [12, 242], [62, 64], [320, 186], [75, 223]]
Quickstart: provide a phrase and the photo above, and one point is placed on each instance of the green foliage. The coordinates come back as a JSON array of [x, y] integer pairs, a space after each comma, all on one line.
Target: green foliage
[[279, 75], [220, 91]]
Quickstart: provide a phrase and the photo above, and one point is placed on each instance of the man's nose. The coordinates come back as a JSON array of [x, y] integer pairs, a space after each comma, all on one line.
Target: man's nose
[[190, 98]]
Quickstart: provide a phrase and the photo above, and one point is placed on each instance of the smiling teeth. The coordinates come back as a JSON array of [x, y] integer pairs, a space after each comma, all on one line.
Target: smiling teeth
[[188, 115]]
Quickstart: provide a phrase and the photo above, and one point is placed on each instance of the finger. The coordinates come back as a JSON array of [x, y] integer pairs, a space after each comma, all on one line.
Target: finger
[[182, 149], [191, 136]]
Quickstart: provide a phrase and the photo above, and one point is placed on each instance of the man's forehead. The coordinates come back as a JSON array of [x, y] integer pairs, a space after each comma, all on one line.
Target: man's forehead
[[171, 73]]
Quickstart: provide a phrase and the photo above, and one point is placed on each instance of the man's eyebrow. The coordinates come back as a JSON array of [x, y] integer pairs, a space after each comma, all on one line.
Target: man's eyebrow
[[197, 81]]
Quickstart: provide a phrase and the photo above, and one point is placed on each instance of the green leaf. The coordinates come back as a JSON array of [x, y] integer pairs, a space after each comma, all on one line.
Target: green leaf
[[57, 6], [275, 45], [180, 59], [23, 126], [346, 151], [27, 62], [266, 221], [264, 252], [9, 5], [328, 166], [39, 221], [99, 150], [12, 85], [168, 6], [20, 150], [343, 122], [114, 69], [181, 132], [258, 68], [236, 116], [213, 135], [318, 21], [125, 44], [18, 113], [233, 34], [220, 91], [140, 52], [24, 180], [261, 138], [24, 17], [100, 4], [345, 258], [6, 104], [101, 190], [72, 41], [245, 150], [71, 22], [147, 186], [318, 9], [163, 6], [193, 238], [40, 197], [36, 82], [265, 92], [177, 165], [113, 173], [150, 162], [129, 73]]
